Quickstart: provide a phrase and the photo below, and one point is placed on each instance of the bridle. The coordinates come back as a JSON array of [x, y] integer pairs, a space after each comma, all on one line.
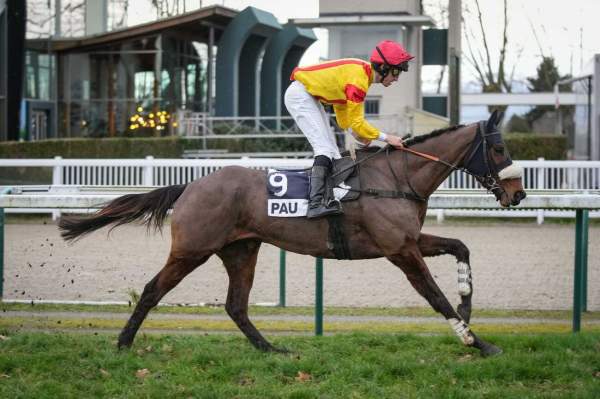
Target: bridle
[[488, 177]]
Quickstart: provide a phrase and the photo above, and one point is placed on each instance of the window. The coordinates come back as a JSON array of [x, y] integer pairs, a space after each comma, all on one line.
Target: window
[[372, 106]]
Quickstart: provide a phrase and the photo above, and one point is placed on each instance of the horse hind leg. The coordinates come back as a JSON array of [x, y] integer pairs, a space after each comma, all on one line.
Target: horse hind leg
[[430, 245], [171, 274], [239, 259], [412, 264]]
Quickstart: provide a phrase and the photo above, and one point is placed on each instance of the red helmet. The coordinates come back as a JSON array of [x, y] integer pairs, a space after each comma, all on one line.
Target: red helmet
[[390, 53]]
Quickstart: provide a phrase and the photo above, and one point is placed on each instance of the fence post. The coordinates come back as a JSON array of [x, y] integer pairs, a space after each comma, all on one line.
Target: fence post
[[440, 212], [148, 175], [57, 179], [578, 272], [2, 251], [319, 297], [541, 178], [282, 278], [584, 259]]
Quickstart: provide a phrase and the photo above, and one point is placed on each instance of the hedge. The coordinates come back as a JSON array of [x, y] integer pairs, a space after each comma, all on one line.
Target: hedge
[[533, 146], [521, 146]]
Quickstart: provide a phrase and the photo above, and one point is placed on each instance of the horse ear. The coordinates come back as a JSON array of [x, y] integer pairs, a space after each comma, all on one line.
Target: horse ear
[[500, 117], [493, 119]]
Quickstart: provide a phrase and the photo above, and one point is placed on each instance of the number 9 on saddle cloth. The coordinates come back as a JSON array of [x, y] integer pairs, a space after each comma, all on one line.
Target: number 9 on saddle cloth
[[288, 189]]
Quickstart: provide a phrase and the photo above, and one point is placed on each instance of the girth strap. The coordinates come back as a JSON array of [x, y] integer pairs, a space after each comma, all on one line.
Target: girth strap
[[377, 193], [337, 238]]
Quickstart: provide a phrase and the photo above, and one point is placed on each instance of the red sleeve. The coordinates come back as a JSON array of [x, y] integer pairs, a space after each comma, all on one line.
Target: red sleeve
[[354, 94]]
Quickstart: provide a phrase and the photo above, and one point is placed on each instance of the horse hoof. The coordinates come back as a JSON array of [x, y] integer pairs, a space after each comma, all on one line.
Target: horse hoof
[[121, 345], [490, 350]]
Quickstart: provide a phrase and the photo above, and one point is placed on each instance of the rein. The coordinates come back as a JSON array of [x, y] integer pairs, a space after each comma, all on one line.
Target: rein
[[488, 181]]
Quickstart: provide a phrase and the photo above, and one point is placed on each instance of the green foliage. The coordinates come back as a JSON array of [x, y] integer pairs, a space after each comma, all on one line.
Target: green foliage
[[38, 365], [517, 123], [524, 146], [547, 77], [159, 147], [162, 147]]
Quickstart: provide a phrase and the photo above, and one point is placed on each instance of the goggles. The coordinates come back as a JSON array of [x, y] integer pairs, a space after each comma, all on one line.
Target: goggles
[[395, 70]]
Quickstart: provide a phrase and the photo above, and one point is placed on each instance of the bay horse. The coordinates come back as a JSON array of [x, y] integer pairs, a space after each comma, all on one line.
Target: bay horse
[[224, 213]]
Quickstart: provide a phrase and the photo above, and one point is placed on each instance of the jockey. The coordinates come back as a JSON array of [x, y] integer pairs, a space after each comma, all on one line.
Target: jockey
[[342, 83]]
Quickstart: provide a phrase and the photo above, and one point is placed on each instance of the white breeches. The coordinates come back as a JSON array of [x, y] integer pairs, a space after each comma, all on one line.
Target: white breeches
[[311, 118]]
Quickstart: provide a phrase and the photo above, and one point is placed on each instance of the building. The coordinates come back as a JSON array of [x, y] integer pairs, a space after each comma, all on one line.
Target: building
[[355, 26], [142, 77]]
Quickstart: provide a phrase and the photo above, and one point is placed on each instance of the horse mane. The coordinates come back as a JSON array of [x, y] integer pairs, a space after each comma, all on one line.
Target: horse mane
[[411, 140]]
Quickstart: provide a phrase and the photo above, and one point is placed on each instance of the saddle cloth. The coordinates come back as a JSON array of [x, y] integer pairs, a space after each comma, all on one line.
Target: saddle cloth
[[289, 189]]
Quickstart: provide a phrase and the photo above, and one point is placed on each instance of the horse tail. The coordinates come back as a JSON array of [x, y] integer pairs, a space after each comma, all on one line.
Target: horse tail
[[151, 208]]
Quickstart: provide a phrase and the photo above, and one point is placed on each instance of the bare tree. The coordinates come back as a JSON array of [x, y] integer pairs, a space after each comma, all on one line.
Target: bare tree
[[492, 76], [117, 14], [41, 18], [169, 8]]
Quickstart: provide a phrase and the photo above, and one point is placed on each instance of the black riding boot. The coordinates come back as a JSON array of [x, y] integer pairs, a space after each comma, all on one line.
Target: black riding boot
[[319, 204]]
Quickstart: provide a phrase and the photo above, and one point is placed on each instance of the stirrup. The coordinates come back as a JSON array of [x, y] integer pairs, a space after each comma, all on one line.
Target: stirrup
[[323, 210]]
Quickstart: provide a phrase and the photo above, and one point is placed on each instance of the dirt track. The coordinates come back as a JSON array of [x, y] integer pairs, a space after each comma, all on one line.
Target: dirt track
[[515, 266]]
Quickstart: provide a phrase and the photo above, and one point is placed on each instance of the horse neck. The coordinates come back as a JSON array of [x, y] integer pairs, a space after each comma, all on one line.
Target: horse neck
[[426, 176]]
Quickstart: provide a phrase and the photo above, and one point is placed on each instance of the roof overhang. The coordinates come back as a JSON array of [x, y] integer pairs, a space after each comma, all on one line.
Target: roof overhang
[[326, 21], [192, 22]]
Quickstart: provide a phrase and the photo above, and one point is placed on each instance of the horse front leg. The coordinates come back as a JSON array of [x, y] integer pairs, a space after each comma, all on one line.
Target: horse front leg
[[431, 245], [410, 260]]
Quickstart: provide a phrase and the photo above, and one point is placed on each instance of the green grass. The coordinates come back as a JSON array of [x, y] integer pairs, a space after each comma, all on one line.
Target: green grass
[[95, 324], [38, 365], [298, 311]]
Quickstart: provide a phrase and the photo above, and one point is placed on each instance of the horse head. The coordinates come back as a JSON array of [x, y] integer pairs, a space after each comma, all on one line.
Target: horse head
[[490, 161]]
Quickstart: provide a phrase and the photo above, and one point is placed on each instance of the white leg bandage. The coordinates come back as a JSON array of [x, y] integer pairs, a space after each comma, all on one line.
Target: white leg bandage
[[464, 279], [462, 331]]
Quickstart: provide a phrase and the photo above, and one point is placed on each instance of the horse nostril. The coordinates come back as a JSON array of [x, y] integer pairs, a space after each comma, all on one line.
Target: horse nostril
[[519, 195]]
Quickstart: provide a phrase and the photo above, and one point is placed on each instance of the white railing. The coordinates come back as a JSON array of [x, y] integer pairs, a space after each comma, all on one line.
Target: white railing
[[201, 125], [538, 174]]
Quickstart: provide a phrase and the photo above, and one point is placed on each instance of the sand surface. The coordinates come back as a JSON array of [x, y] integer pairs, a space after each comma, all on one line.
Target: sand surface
[[515, 266]]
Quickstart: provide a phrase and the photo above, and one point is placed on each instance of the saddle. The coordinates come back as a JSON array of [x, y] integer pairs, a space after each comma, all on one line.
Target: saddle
[[345, 178], [288, 189]]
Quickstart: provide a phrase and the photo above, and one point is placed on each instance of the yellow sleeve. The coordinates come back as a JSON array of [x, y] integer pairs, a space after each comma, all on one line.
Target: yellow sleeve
[[352, 115]]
